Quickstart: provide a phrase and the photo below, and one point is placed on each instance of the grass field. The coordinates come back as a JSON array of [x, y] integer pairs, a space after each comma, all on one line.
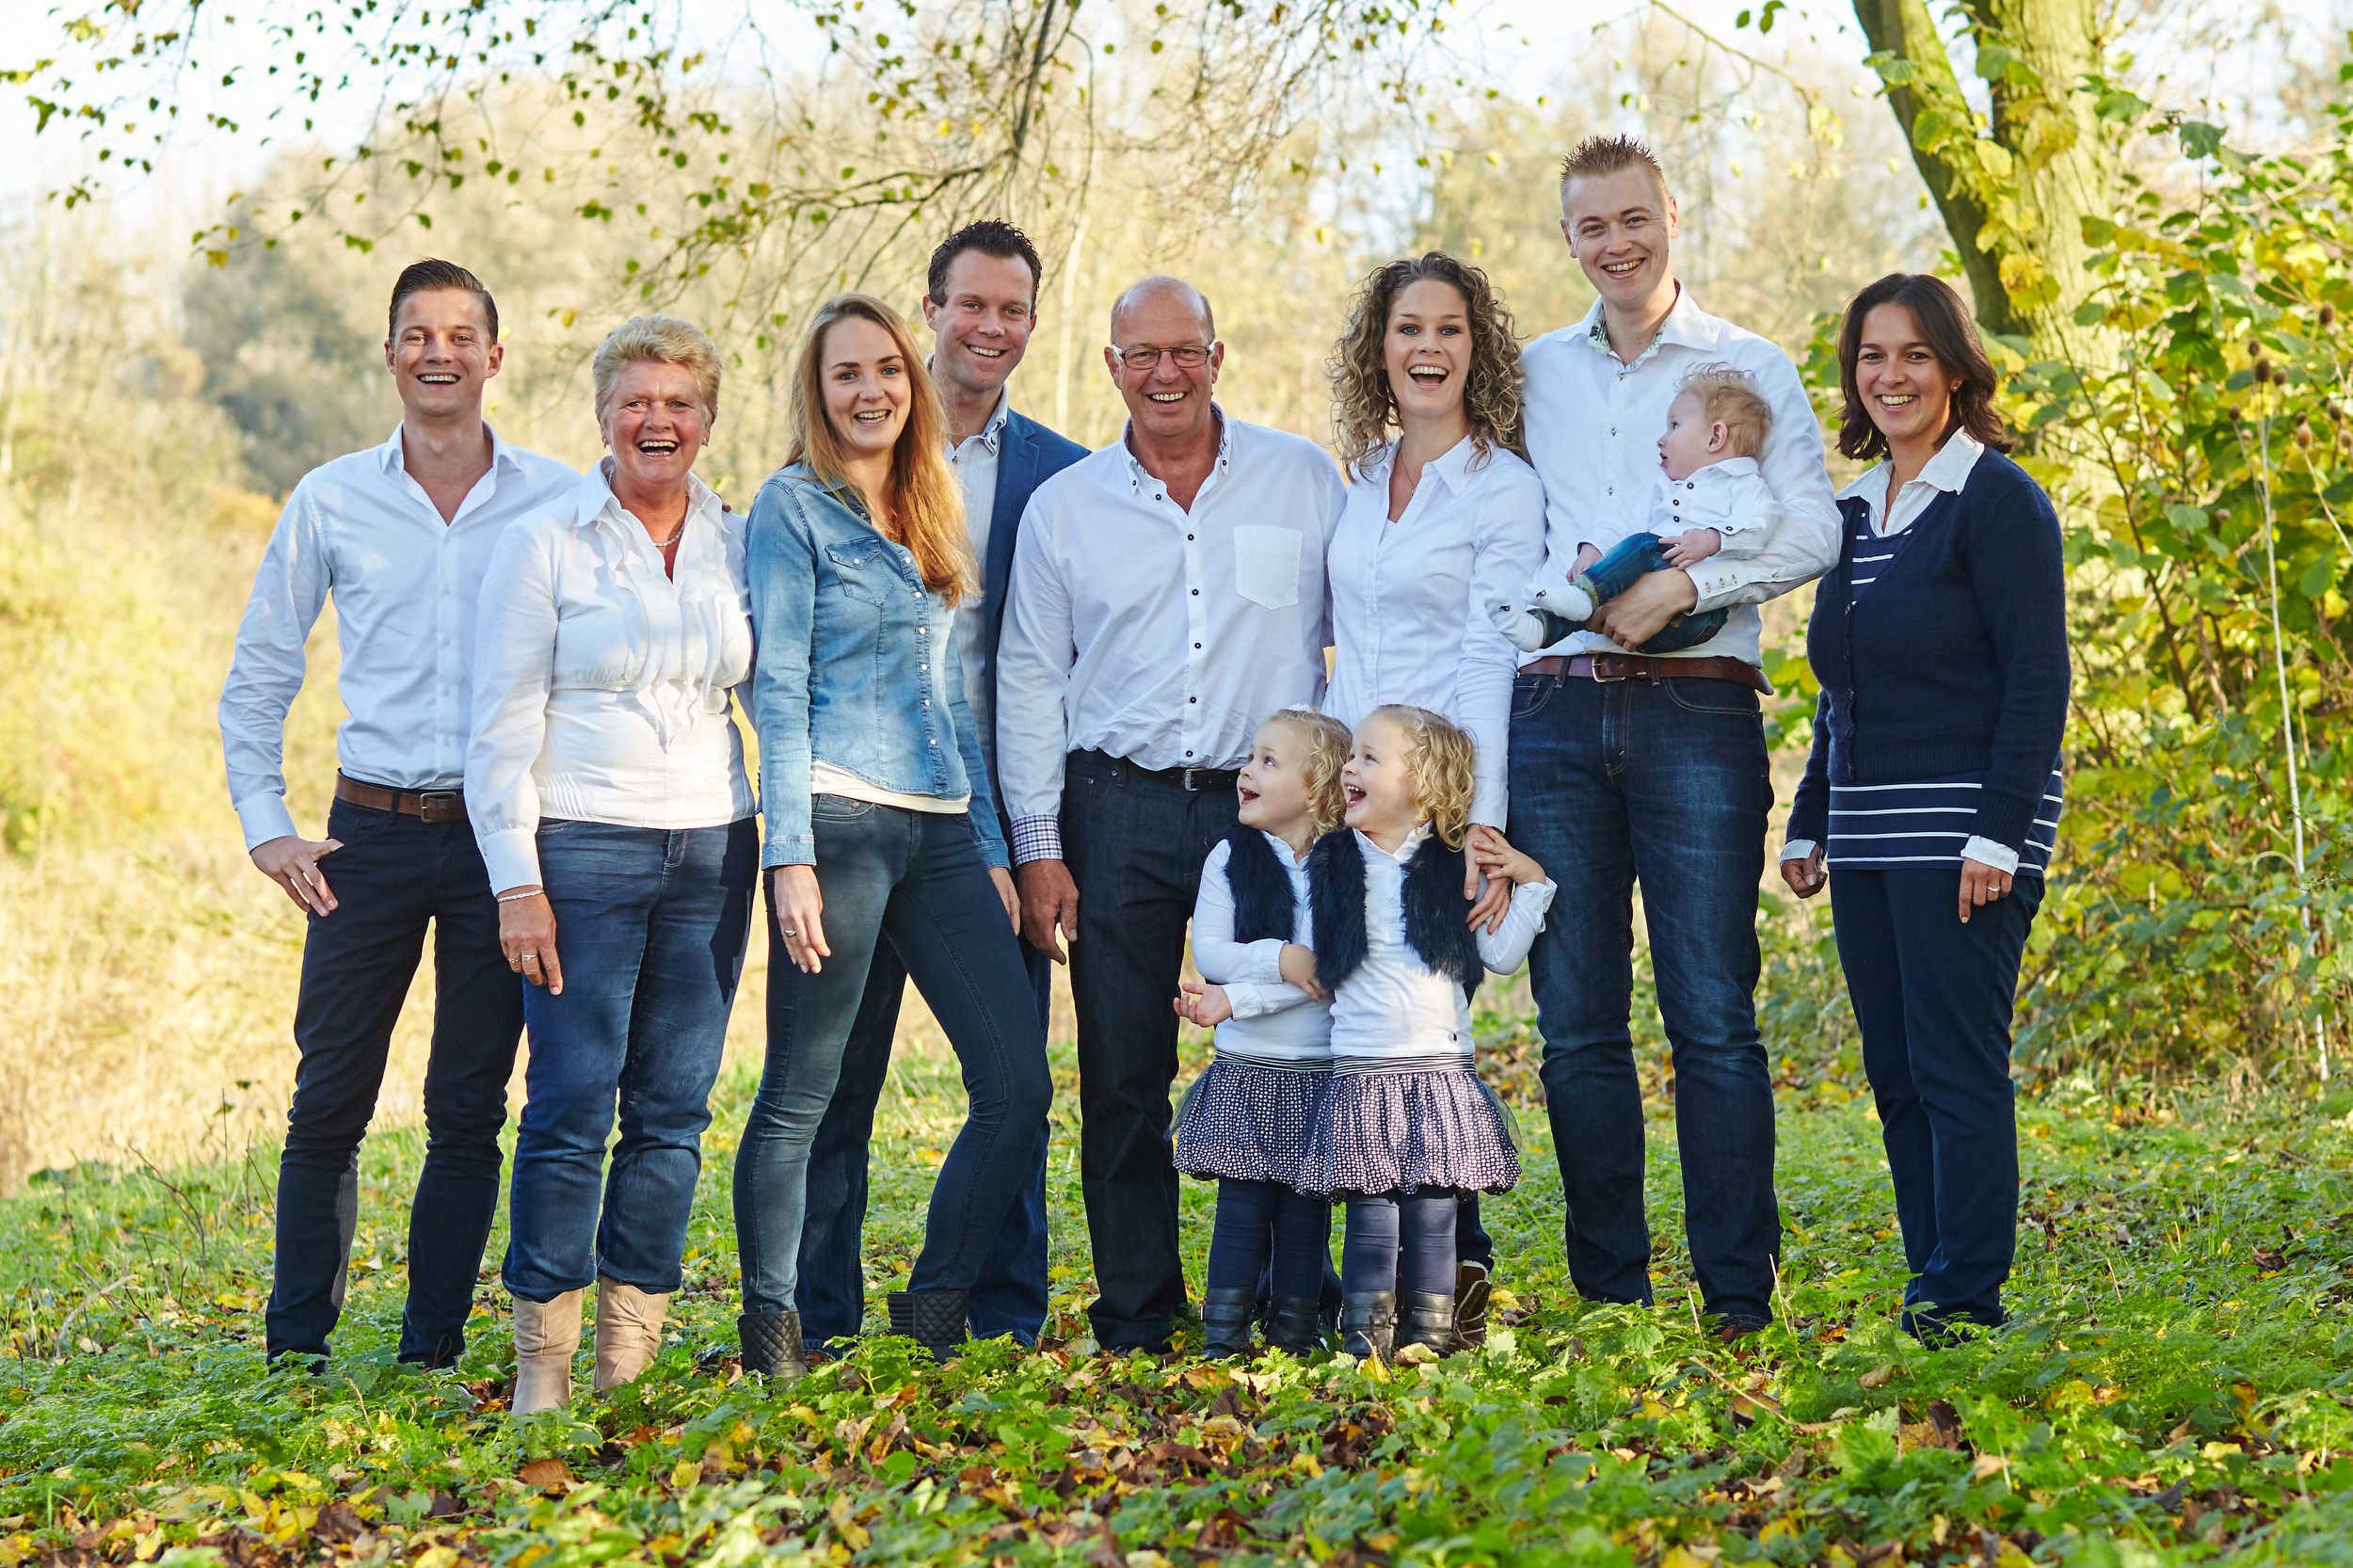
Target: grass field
[[2178, 1385]]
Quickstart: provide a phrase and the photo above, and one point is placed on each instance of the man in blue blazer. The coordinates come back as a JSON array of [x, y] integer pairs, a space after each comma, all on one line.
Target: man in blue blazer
[[981, 305]]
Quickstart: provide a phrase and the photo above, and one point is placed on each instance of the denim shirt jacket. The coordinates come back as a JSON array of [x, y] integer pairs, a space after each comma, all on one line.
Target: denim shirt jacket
[[854, 666]]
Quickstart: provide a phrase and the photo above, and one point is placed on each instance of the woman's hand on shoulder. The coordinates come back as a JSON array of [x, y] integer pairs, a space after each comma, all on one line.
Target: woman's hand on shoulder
[[799, 909]]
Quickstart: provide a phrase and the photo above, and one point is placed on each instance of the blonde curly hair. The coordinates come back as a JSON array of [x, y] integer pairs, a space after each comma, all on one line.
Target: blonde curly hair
[[1327, 741], [1439, 768], [1363, 406]]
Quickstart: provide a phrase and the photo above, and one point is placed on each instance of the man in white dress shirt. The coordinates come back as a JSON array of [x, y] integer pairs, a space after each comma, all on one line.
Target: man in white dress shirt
[[1168, 593], [399, 536], [1631, 769]]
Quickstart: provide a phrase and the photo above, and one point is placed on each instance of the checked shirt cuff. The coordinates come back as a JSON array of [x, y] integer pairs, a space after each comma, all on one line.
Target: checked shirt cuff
[[1038, 837]]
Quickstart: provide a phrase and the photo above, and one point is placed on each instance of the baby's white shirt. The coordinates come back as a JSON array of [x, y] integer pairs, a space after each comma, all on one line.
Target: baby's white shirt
[[1730, 496]]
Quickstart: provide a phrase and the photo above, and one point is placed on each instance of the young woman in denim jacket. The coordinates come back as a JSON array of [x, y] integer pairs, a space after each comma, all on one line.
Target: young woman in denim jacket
[[880, 825]]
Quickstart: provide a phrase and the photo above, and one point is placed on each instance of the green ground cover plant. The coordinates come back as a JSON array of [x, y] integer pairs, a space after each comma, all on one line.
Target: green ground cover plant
[[2177, 1386]]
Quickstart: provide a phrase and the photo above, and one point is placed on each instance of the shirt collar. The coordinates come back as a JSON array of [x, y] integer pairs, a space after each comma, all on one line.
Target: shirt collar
[[1729, 468], [593, 499], [1283, 851], [1685, 325], [1403, 852], [1450, 467], [394, 457], [1949, 470], [1139, 477], [993, 432]]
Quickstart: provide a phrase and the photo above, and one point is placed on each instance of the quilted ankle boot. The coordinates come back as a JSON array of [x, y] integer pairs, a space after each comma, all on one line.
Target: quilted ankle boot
[[933, 1318], [772, 1345]]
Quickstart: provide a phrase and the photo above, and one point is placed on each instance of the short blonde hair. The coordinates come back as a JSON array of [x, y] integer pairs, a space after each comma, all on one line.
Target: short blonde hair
[[1327, 741], [1598, 155], [664, 340], [1728, 397], [1440, 770]]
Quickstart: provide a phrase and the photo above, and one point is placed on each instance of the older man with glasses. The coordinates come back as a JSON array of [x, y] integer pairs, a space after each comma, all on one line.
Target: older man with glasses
[[1168, 593]]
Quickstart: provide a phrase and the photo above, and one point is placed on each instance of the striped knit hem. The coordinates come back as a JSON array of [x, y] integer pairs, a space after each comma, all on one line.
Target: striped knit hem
[[1888, 826]]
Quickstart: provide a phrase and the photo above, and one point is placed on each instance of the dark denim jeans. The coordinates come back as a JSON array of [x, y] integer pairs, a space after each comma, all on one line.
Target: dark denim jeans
[[394, 877], [1135, 844], [1933, 999], [916, 880], [1628, 560], [1009, 1295], [1660, 782], [649, 931]]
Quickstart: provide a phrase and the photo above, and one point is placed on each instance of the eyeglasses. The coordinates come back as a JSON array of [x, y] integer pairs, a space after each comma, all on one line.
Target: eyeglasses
[[1192, 356]]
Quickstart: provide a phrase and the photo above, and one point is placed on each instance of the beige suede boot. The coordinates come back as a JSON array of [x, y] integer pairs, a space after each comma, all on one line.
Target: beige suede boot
[[546, 1335], [628, 1332]]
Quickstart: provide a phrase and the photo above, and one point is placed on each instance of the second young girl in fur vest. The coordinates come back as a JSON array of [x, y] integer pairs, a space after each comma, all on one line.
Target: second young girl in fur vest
[[1406, 1126]]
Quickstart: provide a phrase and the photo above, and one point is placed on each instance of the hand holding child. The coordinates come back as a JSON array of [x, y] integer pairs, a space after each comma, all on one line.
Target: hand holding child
[[1298, 967], [1204, 1006], [1493, 855], [1490, 897], [1692, 546]]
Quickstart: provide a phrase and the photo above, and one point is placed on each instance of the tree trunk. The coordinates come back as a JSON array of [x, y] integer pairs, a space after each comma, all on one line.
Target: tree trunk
[[2014, 210]]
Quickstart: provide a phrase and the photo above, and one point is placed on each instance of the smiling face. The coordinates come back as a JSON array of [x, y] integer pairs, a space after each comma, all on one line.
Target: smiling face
[[1378, 782], [442, 354], [1427, 349], [866, 386], [1907, 391], [1689, 442], [1167, 401], [1619, 227], [982, 329], [1274, 783], [655, 426]]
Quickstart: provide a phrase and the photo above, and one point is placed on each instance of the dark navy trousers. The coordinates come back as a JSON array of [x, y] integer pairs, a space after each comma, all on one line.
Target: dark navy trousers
[[1933, 999]]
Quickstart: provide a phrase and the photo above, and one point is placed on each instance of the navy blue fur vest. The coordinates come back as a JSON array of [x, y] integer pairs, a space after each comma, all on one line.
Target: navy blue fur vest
[[1263, 903], [1437, 924]]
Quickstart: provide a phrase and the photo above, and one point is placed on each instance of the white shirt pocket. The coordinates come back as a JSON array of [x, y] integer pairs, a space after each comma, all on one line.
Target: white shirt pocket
[[1266, 566]]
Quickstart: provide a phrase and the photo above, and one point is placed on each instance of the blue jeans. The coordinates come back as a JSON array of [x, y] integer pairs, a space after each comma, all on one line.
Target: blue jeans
[[1661, 782], [1933, 998], [649, 930], [396, 877], [1010, 1294], [1627, 562], [915, 880]]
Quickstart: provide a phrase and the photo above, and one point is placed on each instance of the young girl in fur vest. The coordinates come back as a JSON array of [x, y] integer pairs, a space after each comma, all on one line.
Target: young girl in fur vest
[[1246, 1121], [1406, 1128]]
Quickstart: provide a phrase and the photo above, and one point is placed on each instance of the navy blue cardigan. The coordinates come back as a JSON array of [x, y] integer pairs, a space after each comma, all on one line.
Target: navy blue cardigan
[[1953, 662]]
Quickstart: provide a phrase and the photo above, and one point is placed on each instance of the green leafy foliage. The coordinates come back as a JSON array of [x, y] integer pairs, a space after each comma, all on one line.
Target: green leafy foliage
[[2176, 1385]]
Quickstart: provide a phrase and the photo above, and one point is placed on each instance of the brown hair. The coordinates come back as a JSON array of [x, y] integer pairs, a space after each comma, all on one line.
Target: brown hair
[[1441, 769], [420, 277], [1327, 754], [924, 498], [1728, 397], [1598, 155], [1364, 405], [1950, 335]]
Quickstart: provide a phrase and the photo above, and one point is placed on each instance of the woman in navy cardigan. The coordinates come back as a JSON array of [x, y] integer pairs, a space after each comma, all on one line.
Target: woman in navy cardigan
[[1939, 644]]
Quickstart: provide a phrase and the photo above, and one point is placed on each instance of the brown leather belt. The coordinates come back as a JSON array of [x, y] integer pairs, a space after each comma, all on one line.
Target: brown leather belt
[[1606, 668], [430, 806]]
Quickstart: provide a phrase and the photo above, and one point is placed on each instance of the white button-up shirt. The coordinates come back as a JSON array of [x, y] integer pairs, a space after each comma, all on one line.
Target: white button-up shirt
[[1730, 496], [1413, 601], [1150, 633], [974, 458], [1395, 1011], [603, 684], [406, 586], [1593, 425], [1274, 1020], [1942, 474]]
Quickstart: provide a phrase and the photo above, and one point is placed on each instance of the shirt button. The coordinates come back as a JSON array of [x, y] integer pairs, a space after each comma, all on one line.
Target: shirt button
[[1196, 647], [1196, 593], [1611, 489], [1189, 538], [1192, 699]]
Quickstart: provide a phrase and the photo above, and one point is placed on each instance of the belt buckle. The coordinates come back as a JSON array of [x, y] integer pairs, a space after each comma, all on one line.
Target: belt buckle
[[441, 806], [1594, 669], [1189, 787]]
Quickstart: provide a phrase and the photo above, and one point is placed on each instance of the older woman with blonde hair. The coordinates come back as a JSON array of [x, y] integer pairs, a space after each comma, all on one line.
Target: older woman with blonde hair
[[605, 779], [880, 825]]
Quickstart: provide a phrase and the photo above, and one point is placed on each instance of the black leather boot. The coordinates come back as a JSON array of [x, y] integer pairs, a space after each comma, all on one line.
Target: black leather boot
[[933, 1318], [1426, 1318], [772, 1345], [1367, 1324], [1471, 1291], [1295, 1323], [1225, 1316]]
